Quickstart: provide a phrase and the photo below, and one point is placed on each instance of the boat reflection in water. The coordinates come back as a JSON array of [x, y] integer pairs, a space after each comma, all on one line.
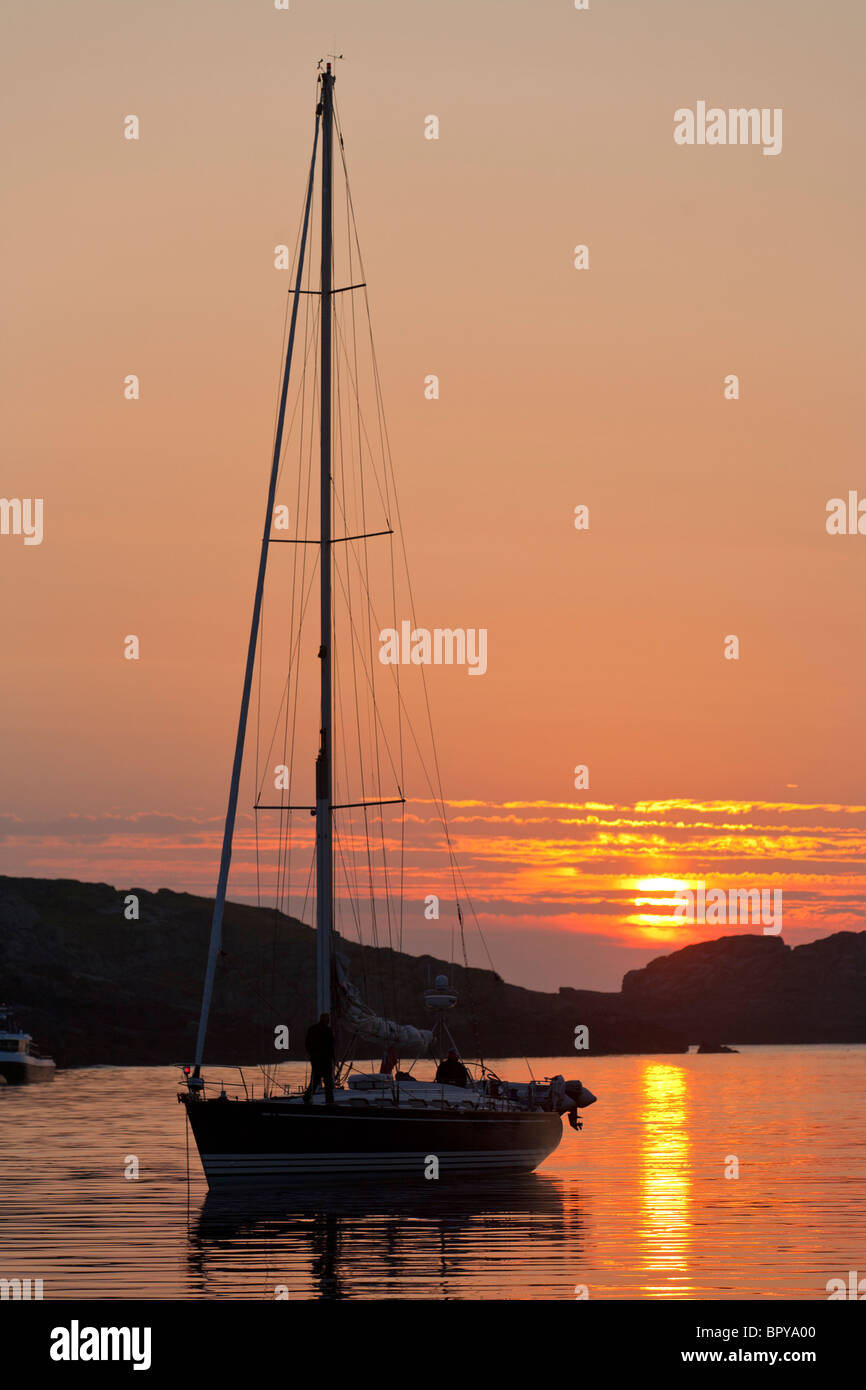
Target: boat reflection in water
[[446, 1239]]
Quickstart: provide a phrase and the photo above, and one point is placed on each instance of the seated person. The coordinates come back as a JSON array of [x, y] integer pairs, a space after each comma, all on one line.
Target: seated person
[[451, 1071]]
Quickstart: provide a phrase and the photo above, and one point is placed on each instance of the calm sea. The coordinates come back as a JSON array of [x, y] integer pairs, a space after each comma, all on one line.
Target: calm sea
[[638, 1205]]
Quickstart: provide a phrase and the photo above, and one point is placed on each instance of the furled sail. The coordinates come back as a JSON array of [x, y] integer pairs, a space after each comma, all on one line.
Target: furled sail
[[370, 1025]]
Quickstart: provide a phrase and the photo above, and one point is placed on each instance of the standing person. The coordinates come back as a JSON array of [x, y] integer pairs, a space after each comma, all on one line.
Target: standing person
[[319, 1044], [451, 1071]]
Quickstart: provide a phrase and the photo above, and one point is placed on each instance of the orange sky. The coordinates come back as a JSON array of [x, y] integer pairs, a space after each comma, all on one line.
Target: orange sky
[[558, 387]]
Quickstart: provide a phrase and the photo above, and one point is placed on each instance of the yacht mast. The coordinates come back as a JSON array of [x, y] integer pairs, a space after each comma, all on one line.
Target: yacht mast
[[324, 777]]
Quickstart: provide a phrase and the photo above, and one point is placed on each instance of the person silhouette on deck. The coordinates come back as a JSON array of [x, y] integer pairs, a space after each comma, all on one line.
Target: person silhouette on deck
[[451, 1071], [319, 1044]]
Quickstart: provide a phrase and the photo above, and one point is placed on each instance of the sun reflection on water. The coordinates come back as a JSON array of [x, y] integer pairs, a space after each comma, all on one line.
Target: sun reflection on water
[[665, 1234]]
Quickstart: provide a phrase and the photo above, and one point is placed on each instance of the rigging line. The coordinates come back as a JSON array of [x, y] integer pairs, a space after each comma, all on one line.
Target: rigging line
[[286, 830], [385, 446], [358, 477], [285, 700], [484, 943], [376, 719], [286, 827], [383, 428], [409, 723], [294, 651], [367, 836], [258, 748], [473, 1017], [424, 683], [453, 863], [402, 896], [279, 369], [298, 1003], [289, 298], [355, 379], [353, 886], [306, 900], [349, 891], [352, 862], [471, 905], [313, 325], [284, 697], [298, 403], [374, 703], [383, 431], [371, 876], [383, 496], [374, 927], [388, 457], [310, 346], [303, 375], [347, 589], [338, 479], [402, 756], [341, 763], [231, 810], [258, 864]]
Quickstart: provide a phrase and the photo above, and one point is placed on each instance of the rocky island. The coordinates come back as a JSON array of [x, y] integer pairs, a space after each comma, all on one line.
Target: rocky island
[[95, 987]]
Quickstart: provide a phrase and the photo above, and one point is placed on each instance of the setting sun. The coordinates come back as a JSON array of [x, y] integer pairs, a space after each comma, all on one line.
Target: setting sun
[[653, 885]]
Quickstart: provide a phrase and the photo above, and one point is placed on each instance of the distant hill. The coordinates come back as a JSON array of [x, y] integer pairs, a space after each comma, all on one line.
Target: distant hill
[[94, 988], [756, 989]]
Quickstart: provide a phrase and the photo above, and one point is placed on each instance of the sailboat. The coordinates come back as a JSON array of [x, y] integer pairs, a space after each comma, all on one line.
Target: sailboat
[[387, 1123]]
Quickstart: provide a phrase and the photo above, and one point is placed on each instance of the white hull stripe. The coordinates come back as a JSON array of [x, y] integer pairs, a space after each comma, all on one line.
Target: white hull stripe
[[261, 1165]]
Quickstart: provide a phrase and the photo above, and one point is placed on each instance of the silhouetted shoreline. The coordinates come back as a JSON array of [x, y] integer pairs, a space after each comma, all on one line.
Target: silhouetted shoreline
[[96, 988]]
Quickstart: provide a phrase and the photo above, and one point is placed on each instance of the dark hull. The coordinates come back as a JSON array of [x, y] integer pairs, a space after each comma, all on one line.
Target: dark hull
[[277, 1143], [25, 1072]]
